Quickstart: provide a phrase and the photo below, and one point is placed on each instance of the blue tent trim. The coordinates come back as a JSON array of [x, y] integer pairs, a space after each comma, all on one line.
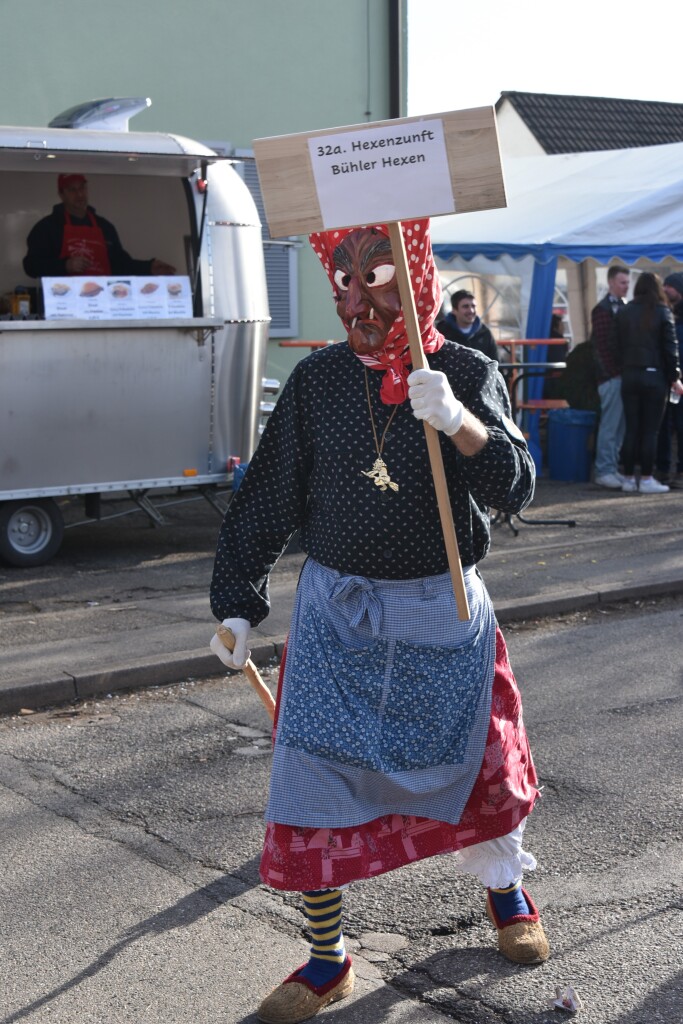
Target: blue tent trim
[[546, 255], [546, 252]]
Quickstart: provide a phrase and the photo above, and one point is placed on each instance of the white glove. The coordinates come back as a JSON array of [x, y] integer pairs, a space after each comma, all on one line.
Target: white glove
[[238, 658], [432, 399]]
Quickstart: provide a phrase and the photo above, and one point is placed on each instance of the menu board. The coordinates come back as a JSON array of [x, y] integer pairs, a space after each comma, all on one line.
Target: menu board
[[117, 298]]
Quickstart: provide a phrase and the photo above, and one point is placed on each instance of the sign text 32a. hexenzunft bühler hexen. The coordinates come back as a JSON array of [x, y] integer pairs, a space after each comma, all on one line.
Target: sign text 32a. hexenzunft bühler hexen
[[382, 172], [401, 169]]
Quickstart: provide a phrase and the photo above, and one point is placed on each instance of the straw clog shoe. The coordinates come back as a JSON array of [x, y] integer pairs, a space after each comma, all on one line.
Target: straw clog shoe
[[296, 999], [521, 938]]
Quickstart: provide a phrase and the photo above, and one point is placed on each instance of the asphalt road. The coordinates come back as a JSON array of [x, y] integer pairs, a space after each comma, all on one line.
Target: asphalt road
[[130, 831], [123, 605]]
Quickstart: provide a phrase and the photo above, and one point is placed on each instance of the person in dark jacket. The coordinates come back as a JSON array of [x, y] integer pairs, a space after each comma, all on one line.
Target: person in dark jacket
[[643, 342], [673, 417], [74, 239], [612, 426], [464, 326]]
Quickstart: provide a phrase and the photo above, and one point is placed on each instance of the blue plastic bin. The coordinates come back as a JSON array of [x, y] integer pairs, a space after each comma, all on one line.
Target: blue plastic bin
[[570, 452]]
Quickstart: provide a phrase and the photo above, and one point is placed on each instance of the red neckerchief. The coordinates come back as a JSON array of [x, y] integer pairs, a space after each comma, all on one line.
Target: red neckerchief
[[394, 357]]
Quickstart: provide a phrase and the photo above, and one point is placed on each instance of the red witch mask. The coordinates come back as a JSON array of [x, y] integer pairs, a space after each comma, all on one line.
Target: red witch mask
[[360, 265], [366, 289]]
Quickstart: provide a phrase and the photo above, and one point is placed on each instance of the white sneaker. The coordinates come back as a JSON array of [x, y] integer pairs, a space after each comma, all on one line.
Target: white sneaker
[[652, 486], [611, 480], [629, 485]]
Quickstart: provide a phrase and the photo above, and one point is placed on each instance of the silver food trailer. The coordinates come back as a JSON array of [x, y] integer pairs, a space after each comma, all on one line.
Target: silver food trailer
[[101, 407]]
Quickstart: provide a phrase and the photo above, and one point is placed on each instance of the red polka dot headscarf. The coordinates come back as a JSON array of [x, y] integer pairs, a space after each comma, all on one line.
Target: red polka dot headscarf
[[394, 357]]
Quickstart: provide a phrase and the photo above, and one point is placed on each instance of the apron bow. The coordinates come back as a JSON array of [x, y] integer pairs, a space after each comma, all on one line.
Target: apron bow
[[360, 599]]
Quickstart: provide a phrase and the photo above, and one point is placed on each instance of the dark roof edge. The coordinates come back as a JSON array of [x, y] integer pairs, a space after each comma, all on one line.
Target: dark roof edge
[[511, 94]]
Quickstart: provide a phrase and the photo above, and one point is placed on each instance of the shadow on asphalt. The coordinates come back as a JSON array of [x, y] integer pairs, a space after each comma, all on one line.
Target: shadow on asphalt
[[185, 912], [465, 971], [663, 1003]]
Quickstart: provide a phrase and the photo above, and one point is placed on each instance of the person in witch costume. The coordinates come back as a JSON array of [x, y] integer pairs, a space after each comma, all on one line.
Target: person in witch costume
[[398, 731]]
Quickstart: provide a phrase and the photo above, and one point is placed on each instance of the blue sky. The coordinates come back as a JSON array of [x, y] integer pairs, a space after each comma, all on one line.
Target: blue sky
[[464, 54]]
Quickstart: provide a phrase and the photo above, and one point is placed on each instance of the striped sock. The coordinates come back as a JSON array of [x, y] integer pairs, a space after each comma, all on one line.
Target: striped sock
[[509, 901], [323, 913]]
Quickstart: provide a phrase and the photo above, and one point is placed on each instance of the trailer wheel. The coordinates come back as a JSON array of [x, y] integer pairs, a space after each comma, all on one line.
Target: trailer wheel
[[31, 531]]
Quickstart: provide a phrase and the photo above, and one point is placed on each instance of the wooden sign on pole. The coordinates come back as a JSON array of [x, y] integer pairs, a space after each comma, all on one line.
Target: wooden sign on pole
[[383, 173], [290, 168]]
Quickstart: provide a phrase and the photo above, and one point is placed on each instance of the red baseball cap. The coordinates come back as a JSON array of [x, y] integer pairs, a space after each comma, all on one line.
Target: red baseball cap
[[70, 179]]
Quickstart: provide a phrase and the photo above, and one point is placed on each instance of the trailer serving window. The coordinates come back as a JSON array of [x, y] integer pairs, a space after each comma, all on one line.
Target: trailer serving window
[[144, 192]]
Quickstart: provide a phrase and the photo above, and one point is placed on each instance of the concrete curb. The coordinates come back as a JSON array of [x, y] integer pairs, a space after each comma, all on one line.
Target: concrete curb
[[66, 688], [145, 672], [576, 600]]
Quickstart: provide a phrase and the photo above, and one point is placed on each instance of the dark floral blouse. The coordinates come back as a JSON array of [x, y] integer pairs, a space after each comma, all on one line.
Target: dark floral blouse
[[307, 474]]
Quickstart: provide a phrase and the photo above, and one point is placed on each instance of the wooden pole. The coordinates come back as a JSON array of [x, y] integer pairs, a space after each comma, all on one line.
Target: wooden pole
[[434, 448]]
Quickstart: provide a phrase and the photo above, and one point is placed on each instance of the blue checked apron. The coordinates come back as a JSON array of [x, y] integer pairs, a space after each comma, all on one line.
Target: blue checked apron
[[385, 702]]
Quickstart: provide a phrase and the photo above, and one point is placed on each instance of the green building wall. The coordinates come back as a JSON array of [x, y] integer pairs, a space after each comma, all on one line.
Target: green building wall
[[216, 70]]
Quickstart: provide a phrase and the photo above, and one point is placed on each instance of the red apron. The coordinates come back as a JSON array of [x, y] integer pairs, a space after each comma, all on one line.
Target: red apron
[[86, 240]]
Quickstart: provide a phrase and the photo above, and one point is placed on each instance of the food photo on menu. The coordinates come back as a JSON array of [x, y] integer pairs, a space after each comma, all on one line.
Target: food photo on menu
[[90, 289], [120, 289], [151, 296]]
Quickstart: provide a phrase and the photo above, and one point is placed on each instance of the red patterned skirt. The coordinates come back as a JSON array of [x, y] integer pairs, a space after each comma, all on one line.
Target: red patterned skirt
[[301, 859]]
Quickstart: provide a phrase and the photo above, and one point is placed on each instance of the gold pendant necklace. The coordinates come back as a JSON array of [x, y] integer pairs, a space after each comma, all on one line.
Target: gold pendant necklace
[[379, 473]]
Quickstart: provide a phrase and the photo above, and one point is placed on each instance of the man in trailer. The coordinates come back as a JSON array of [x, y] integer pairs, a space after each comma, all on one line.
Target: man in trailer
[[75, 240], [399, 731]]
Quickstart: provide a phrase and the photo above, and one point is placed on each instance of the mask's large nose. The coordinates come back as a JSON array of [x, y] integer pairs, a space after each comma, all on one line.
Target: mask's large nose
[[355, 303]]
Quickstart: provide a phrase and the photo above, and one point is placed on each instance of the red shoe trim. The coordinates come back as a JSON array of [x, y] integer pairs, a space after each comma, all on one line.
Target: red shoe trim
[[320, 990], [516, 918]]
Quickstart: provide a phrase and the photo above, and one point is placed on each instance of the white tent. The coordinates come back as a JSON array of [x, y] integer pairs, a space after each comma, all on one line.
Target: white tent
[[621, 204], [614, 202], [624, 204]]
